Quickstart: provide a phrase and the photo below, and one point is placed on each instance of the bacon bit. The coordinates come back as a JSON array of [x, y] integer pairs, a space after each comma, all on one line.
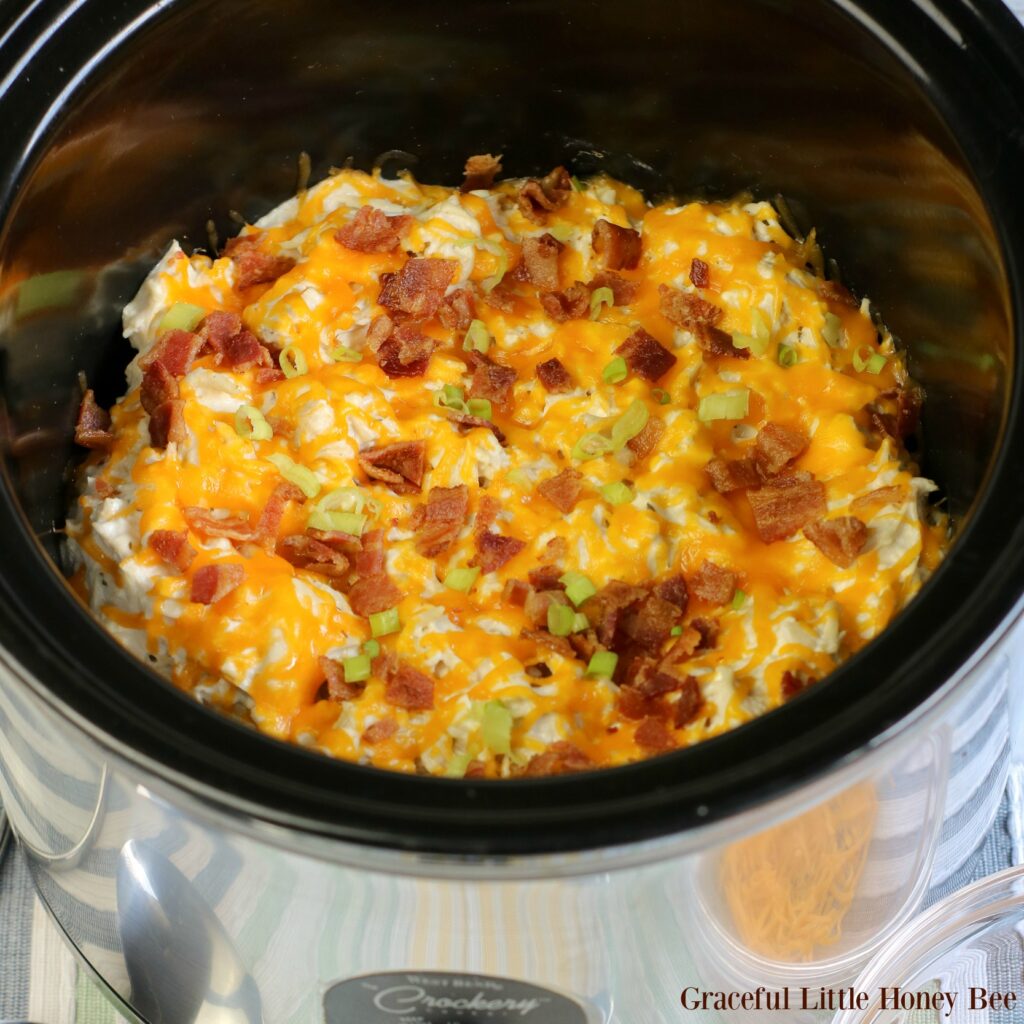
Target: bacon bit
[[903, 422], [690, 701], [687, 310], [176, 350], [542, 638], [620, 247], [410, 689], [501, 296], [653, 734], [373, 231], [537, 604], [708, 631], [216, 329], [623, 291], [546, 577], [245, 351], [555, 377], [540, 258], [220, 523], [465, 422], [792, 684], [729, 475], [212, 582], [646, 356], [104, 488], [480, 172], [833, 291], [475, 770], [92, 429], [167, 424], [572, 304], [457, 310], [700, 273], [776, 447], [560, 758], [417, 289], [269, 375], [368, 557], [493, 382], [493, 550], [839, 540], [381, 730], [714, 584], [605, 608], [891, 495], [406, 353], [313, 555], [635, 706], [556, 549], [648, 624], [563, 490], [686, 645], [253, 266], [786, 504], [715, 343], [159, 386], [379, 331], [515, 593], [400, 465], [373, 594], [270, 518], [674, 590], [585, 644], [441, 519], [173, 547], [337, 689], [647, 440], [486, 514], [536, 198]]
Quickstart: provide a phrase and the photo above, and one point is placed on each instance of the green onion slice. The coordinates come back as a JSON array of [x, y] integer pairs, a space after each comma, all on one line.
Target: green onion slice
[[739, 599], [450, 397], [461, 580], [756, 345], [560, 619], [477, 337], [357, 668], [831, 331], [348, 499], [480, 407], [383, 623], [344, 354], [518, 477], [592, 446], [676, 631], [457, 765], [292, 361], [496, 727], [726, 405], [182, 316], [788, 356], [661, 396], [372, 648], [874, 363], [580, 623], [603, 664], [615, 372], [250, 423], [352, 523], [617, 493], [578, 587], [576, 183], [303, 478], [561, 232], [600, 297], [629, 424]]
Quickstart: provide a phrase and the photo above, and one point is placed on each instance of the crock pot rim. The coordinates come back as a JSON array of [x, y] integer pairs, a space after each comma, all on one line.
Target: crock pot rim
[[303, 790]]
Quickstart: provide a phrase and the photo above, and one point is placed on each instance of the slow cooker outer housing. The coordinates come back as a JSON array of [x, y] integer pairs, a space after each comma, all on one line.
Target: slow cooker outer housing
[[896, 129]]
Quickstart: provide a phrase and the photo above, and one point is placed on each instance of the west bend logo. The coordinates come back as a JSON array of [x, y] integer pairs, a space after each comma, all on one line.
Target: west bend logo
[[403, 999]]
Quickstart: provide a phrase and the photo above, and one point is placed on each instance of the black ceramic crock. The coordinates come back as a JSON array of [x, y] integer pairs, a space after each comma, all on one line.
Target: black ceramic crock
[[896, 128]]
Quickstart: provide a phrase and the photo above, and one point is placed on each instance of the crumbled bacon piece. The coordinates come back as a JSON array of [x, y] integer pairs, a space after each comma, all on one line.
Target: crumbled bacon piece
[[714, 584], [647, 440], [492, 382], [540, 258], [515, 593], [792, 684], [372, 594], [159, 386], [729, 475], [270, 518], [378, 331], [252, 265], [486, 514], [173, 548], [546, 577], [406, 352], [839, 540], [219, 523], [245, 351], [635, 706], [619, 247], [537, 198], [700, 273], [410, 689], [92, 429], [646, 356], [674, 590], [572, 304], [480, 172], [313, 555], [400, 465], [786, 504], [690, 701], [381, 730], [457, 310], [683, 648], [269, 375], [371, 230], [558, 644], [212, 582], [216, 329], [337, 688], [605, 608], [648, 624], [563, 490], [554, 376], [560, 758], [687, 310], [464, 421], [716, 342], [167, 424], [776, 447], [176, 350], [537, 603], [903, 422], [891, 495], [833, 291], [439, 521], [623, 291], [653, 734], [417, 289], [502, 296], [493, 550], [707, 629], [368, 558]]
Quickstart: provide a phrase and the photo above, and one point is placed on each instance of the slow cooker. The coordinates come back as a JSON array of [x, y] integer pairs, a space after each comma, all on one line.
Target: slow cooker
[[204, 871]]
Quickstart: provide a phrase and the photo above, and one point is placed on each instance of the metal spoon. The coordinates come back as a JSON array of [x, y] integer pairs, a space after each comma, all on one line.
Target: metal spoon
[[182, 965]]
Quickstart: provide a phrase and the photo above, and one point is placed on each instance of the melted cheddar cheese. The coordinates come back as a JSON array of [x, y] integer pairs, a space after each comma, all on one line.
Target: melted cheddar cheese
[[257, 650]]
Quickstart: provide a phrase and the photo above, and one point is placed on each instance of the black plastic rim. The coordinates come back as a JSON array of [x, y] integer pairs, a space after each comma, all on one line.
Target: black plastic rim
[[64, 652]]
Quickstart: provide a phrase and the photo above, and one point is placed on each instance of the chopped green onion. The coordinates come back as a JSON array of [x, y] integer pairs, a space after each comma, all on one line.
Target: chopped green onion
[[383, 623], [518, 477], [759, 326], [251, 424], [615, 372], [450, 397], [457, 765], [738, 600], [831, 330], [561, 232], [372, 648], [603, 664], [576, 183], [357, 668], [592, 446], [352, 523], [788, 356], [496, 727], [676, 631], [629, 424], [600, 297], [182, 316], [874, 363], [480, 407], [303, 478], [756, 345], [348, 499], [617, 493], [292, 361], [577, 587], [495, 249], [661, 396], [461, 579], [560, 619], [726, 405], [344, 354], [580, 622], [477, 338]]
